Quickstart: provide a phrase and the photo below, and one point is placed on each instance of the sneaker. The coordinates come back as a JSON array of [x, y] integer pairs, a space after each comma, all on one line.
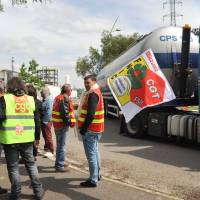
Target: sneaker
[[62, 170], [88, 184], [48, 155], [3, 191], [39, 195], [14, 197]]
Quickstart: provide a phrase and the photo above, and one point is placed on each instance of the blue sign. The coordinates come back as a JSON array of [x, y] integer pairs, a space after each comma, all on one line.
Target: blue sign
[[166, 38]]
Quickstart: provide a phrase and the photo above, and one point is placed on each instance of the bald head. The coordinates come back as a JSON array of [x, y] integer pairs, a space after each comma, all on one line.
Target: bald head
[[66, 89], [45, 92]]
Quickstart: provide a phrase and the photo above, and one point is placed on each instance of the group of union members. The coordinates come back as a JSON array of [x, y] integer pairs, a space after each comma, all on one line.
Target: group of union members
[[22, 116]]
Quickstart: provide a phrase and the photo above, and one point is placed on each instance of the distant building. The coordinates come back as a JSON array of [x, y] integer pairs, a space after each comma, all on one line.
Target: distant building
[[48, 75], [67, 79], [5, 76]]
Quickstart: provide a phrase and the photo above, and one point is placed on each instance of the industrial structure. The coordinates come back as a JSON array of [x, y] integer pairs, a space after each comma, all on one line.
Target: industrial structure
[[48, 75], [6, 75]]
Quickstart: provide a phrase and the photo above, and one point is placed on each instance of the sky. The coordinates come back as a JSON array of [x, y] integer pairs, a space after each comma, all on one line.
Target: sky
[[55, 34]]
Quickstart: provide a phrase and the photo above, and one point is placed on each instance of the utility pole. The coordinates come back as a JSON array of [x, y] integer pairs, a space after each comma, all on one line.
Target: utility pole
[[12, 64], [173, 14]]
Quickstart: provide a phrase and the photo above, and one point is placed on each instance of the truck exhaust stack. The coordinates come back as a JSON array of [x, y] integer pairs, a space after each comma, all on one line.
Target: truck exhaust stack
[[185, 69]]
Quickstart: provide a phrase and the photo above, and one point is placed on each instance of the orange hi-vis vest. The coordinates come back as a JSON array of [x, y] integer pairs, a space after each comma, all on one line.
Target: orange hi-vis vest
[[56, 117], [97, 124]]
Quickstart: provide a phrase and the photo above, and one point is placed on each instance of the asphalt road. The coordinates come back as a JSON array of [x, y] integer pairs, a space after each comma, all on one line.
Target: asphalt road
[[146, 164], [150, 164], [65, 186]]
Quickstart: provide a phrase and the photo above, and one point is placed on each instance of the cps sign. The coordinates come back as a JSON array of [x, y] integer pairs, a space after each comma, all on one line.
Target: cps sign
[[168, 38]]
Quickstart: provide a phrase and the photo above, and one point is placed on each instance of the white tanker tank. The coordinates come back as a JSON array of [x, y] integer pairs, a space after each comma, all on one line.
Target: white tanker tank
[[166, 44]]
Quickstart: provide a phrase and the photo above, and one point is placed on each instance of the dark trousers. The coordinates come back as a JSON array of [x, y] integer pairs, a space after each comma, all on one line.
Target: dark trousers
[[47, 135], [12, 153], [35, 151]]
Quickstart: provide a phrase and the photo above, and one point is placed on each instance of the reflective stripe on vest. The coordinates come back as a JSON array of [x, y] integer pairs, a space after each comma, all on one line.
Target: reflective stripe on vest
[[19, 117], [19, 126], [96, 121], [97, 113], [97, 124], [56, 117], [14, 128]]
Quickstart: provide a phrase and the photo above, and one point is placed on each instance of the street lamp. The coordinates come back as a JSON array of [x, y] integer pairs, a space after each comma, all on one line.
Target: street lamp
[[99, 65], [113, 26]]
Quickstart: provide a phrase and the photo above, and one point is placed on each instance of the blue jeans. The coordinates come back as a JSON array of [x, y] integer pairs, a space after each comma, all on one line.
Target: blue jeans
[[90, 143], [12, 152], [61, 136]]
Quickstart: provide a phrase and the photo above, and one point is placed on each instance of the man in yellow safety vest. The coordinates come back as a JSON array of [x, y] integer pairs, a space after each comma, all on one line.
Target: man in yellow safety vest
[[17, 136]]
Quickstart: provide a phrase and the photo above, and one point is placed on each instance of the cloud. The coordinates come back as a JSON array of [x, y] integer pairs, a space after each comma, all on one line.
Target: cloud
[[57, 33]]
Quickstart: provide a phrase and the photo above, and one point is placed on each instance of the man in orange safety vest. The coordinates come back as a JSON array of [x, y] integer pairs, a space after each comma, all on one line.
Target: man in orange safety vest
[[63, 118], [91, 125]]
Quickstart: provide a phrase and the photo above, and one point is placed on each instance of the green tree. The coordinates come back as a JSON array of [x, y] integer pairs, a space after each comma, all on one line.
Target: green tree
[[21, 2], [111, 48], [1, 7], [29, 74], [196, 31]]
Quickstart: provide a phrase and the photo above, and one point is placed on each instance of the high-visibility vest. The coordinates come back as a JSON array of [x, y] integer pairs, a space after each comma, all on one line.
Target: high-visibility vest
[[56, 117], [19, 125], [97, 124]]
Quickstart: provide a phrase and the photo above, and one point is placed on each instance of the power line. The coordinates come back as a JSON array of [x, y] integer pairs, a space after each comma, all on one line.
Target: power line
[[173, 14]]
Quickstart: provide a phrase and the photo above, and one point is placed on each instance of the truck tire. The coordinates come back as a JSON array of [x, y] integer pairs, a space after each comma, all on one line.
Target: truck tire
[[135, 127]]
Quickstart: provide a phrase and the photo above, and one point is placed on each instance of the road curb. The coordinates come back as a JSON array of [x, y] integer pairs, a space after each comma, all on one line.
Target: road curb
[[76, 166]]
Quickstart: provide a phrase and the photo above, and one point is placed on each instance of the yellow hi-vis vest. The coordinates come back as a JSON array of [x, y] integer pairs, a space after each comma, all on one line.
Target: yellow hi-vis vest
[[19, 126]]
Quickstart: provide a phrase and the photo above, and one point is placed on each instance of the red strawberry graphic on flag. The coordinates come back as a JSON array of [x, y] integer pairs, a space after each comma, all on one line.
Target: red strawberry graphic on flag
[[147, 88]]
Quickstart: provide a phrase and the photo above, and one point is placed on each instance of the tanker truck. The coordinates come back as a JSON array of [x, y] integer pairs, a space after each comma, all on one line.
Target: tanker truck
[[176, 50]]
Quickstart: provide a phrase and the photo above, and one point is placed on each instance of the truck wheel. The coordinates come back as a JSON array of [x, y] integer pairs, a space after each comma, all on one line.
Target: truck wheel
[[135, 127]]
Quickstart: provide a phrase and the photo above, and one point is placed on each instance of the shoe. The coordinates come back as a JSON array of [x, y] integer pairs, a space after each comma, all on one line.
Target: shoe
[[14, 197], [62, 170], [48, 155], [3, 191], [99, 177], [39, 195], [88, 184]]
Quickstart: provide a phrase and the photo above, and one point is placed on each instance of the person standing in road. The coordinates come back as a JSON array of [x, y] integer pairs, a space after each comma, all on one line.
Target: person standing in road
[[91, 125], [31, 91], [2, 190], [17, 136], [47, 106], [63, 117]]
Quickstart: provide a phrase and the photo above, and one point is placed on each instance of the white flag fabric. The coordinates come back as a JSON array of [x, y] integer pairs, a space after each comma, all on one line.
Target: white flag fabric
[[140, 84]]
